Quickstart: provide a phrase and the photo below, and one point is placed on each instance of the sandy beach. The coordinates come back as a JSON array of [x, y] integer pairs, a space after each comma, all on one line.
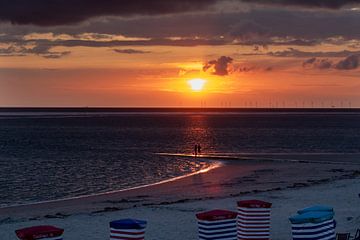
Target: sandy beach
[[170, 207]]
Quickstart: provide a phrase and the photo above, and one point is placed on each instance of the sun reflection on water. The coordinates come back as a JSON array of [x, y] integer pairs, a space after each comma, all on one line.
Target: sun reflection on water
[[197, 131]]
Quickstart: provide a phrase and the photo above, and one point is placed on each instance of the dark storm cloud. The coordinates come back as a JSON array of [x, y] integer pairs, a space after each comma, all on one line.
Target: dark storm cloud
[[252, 27], [244, 25], [333, 4], [219, 66], [130, 51], [349, 63], [64, 12], [262, 27], [248, 27], [60, 12]]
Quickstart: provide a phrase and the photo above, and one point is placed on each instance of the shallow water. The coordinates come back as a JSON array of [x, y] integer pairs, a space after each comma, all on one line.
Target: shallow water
[[53, 157]]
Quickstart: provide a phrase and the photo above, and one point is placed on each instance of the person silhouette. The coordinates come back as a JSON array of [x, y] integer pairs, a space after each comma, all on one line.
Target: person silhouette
[[195, 150], [199, 149]]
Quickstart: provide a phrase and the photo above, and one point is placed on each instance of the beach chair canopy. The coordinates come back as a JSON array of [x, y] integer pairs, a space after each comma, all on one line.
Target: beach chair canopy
[[316, 208], [128, 224], [216, 215], [254, 204], [39, 232], [311, 217]]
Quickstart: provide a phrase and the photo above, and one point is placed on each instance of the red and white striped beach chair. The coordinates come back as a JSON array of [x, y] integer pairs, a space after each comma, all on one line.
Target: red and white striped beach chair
[[253, 221], [217, 225]]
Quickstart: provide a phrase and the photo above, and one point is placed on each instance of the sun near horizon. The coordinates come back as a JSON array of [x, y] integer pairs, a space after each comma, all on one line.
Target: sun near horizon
[[197, 84]]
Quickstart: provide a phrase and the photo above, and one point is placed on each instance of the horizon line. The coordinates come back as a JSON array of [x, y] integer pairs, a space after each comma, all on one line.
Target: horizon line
[[174, 109]]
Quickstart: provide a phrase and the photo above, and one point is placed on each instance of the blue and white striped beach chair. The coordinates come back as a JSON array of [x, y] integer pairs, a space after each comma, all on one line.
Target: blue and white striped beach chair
[[314, 223], [127, 229]]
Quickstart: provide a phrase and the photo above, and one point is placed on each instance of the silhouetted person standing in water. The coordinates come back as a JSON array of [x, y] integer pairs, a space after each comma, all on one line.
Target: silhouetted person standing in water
[[199, 149], [195, 150]]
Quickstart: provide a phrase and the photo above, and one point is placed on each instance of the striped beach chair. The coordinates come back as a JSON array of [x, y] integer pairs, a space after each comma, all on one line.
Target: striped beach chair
[[40, 232], [127, 229], [217, 225], [314, 223], [253, 221]]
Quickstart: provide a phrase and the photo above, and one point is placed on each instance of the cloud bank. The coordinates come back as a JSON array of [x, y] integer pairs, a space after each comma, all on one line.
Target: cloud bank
[[62, 12], [65, 12]]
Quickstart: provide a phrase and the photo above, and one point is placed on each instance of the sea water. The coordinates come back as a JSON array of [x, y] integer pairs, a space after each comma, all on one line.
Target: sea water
[[58, 155]]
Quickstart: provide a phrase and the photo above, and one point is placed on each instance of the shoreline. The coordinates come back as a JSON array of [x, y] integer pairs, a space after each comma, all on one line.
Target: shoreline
[[268, 157], [217, 160], [228, 180], [212, 167]]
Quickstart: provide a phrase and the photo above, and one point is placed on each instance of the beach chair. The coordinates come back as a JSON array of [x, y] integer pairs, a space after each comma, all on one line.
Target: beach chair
[[217, 225], [314, 223], [342, 236], [253, 221], [127, 229]]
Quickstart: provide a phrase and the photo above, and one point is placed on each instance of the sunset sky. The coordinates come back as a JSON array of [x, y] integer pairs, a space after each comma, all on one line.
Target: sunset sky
[[142, 53]]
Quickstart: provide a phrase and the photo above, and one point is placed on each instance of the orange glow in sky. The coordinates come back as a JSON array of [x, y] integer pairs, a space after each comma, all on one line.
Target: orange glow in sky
[[112, 59]]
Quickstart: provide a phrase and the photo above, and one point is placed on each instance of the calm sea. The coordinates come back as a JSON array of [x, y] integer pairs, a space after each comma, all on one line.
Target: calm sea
[[61, 154]]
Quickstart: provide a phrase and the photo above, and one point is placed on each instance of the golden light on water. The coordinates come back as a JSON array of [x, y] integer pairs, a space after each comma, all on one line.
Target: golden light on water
[[197, 84]]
